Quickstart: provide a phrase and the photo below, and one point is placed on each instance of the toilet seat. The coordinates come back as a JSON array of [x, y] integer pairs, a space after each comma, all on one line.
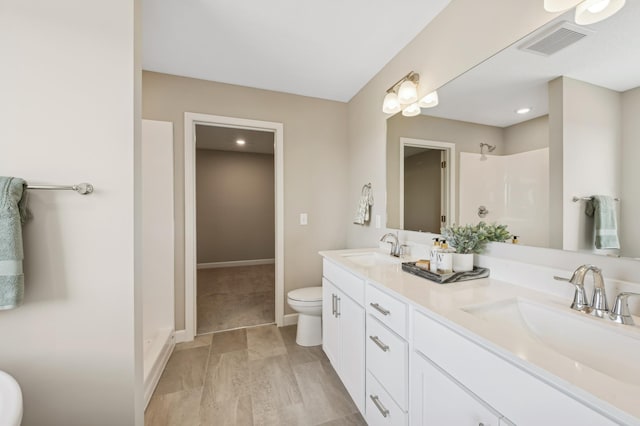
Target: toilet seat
[[307, 294]]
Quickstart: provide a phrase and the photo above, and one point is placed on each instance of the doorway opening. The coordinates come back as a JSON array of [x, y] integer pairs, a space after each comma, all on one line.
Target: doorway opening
[[233, 217]]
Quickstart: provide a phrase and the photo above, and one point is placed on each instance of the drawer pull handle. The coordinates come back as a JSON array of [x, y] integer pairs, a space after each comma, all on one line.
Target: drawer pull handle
[[333, 304], [383, 410], [378, 342], [380, 309]]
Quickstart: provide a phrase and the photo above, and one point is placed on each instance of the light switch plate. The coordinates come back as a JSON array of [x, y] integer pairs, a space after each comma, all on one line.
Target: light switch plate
[[303, 219], [378, 221]]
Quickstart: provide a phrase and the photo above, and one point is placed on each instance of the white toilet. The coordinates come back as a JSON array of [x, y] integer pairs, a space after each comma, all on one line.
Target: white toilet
[[308, 303]]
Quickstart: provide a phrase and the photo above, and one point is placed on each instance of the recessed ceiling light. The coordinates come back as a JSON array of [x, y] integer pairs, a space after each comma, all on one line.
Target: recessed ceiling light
[[523, 110], [240, 142]]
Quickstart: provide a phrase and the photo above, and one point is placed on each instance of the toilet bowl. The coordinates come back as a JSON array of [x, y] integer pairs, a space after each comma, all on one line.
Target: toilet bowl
[[308, 303]]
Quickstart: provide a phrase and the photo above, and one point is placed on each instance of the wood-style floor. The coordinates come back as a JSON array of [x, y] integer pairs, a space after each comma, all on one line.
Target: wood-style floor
[[253, 376], [235, 297]]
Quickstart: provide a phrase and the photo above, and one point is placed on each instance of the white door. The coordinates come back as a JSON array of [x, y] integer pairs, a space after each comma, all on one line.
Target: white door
[[330, 324], [352, 324], [439, 400]]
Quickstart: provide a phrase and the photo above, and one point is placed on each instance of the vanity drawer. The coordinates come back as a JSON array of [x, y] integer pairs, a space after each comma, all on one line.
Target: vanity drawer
[[387, 360], [389, 310], [350, 284], [380, 408]]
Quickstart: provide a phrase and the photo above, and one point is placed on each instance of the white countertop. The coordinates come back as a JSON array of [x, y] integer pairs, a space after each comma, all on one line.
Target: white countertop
[[444, 302]]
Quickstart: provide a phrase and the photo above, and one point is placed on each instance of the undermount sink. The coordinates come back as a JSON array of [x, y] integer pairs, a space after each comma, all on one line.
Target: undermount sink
[[370, 258], [10, 401], [595, 343]]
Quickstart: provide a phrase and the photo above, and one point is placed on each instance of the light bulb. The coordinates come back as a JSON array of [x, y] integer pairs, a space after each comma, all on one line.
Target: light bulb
[[598, 6], [524, 110], [411, 110], [390, 105], [408, 92], [592, 11], [429, 101], [240, 142]]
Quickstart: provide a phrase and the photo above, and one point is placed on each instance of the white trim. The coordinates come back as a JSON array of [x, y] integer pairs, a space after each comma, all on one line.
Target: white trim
[[450, 195], [290, 319], [234, 263], [158, 367], [190, 121], [182, 336]]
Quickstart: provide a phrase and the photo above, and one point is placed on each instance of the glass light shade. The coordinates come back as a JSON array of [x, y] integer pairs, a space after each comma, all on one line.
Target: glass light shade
[[411, 110], [391, 105], [592, 11], [429, 101], [559, 5], [408, 92]]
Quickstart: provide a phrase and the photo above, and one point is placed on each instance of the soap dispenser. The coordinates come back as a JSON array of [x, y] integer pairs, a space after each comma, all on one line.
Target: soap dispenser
[[445, 259], [433, 258]]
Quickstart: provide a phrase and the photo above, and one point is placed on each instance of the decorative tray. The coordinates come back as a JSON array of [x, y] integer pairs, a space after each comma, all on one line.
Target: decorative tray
[[477, 273]]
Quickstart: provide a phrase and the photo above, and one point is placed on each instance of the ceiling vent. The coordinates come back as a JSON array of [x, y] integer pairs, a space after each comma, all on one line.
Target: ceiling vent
[[551, 40]]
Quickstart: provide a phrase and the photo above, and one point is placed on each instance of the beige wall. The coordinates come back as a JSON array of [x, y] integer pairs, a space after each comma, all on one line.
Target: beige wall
[[422, 176], [630, 196], [315, 164], [592, 147], [463, 35], [70, 113], [235, 206], [527, 136]]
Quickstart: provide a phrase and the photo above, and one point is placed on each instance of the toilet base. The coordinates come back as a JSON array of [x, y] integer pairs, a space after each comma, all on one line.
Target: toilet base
[[309, 330]]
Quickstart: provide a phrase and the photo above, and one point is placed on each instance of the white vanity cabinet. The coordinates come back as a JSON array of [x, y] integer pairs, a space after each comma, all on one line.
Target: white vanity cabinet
[[343, 328], [487, 381], [438, 399]]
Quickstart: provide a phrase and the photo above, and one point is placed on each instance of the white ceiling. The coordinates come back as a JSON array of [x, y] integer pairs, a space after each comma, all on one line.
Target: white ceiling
[[224, 139], [491, 92], [325, 49]]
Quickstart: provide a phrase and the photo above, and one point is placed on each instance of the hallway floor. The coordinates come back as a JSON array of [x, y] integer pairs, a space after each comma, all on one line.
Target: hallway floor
[[235, 297], [253, 376]]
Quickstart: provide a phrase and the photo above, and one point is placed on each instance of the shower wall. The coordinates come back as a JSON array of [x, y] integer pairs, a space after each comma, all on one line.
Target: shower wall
[[513, 188]]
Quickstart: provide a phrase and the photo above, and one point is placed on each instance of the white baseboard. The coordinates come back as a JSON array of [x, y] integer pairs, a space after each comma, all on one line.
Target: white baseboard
[[158, 367], [290, 319], [235, 263], [182, 336]]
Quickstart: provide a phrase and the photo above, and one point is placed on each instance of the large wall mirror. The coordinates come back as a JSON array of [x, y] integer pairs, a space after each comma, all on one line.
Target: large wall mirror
[[534, 171]]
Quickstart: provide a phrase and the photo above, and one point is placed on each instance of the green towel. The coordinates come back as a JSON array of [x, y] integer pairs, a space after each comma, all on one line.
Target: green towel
[[13, 213], [603, 210]]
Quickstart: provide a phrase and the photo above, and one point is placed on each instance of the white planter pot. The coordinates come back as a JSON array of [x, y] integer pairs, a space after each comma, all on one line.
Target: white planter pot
[[462, 262]]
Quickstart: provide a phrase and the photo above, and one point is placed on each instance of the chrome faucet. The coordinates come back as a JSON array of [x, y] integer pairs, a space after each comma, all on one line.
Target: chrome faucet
[[620, 312], [395, 244], [598, 306]]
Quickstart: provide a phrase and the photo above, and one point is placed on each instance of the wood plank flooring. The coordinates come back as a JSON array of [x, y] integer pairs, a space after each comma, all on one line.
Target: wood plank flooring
[[253, 376], [235, 297]]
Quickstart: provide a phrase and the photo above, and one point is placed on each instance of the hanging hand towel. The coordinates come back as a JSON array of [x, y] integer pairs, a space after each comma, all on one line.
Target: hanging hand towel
[[364, 206], [13, 213], [603, 210]]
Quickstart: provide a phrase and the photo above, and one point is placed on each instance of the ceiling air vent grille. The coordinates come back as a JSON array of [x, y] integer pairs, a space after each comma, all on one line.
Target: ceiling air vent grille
[[554, 39]]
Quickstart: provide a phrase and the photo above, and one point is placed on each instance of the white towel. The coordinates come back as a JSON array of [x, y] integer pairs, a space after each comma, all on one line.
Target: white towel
[[364, 206]]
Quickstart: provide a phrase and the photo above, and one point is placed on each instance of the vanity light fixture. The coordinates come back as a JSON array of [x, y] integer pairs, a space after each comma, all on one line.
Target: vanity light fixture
[[524, 110], [240, 142], [587, 11], [403, 96]]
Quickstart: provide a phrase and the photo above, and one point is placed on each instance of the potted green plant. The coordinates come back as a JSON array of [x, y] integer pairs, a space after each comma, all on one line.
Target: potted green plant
[[470, 239]]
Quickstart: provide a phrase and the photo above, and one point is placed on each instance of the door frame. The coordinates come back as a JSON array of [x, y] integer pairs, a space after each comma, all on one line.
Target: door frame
[[190, 261]]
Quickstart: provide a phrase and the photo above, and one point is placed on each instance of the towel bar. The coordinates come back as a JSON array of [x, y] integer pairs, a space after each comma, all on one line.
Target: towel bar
[[81, 188], [576, 199]]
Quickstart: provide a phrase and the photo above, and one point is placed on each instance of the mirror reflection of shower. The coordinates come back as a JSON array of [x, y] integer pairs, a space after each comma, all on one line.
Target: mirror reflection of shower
[[490, 148]]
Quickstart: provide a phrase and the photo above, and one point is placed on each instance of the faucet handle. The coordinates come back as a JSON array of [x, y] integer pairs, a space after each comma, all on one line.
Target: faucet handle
[[580, 300], [620, 312]]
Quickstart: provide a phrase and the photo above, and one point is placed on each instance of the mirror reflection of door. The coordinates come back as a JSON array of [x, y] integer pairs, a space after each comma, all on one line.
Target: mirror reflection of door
[[427, 185], [423, 189]]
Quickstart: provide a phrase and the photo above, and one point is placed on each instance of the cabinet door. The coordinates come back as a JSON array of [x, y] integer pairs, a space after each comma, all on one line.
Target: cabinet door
[[437, 399], [352, 323], [330, 324]]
